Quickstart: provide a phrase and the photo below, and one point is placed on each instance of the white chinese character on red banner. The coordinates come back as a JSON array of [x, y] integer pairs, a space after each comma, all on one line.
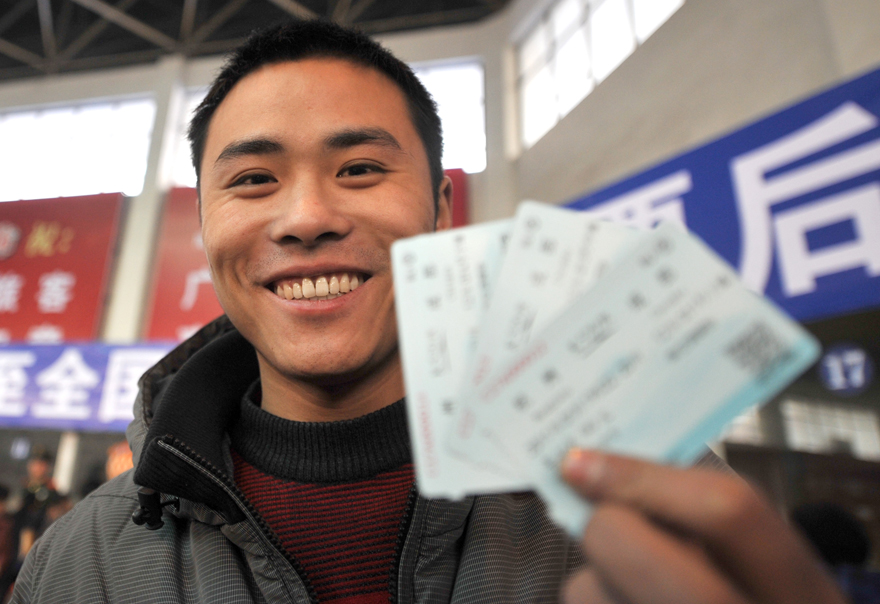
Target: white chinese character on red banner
[[10, 291], [64, 387], [184, 332], [124, 369], [5, 336], [56, 290], [194, 279], [9, 236], [13, 379], [45, 334]]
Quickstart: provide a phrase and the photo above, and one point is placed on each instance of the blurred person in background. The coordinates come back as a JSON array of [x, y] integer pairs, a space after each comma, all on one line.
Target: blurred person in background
[[118, 461], [8, 545], [39, 502], [844, 545]]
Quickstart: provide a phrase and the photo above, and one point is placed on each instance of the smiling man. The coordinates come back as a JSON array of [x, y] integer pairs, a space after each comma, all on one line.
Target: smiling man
[[272, 458], [302, 195]]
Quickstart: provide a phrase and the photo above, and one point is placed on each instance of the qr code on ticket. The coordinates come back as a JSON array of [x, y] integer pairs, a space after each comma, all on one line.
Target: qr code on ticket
[[758, 350]]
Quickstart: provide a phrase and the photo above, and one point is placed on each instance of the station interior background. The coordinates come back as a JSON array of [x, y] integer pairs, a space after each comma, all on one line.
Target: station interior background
[[696, 69]]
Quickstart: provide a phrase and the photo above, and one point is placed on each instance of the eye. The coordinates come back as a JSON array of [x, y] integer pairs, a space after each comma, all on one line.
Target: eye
[[360, 170], [253, 180]]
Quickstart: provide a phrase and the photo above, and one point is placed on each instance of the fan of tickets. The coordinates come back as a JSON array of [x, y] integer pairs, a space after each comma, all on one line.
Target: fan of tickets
[[525, 337]]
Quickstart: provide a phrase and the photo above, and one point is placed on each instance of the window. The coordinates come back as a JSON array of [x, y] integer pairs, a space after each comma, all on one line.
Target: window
[[831, 428], [573, 47], [458, 89], [746, 429], [76, 150], [182, 173]]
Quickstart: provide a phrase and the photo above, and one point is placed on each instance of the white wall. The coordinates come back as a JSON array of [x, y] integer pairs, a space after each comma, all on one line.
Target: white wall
[[716, 65]]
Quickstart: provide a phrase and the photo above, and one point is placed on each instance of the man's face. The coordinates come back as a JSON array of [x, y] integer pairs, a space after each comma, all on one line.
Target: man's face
[[38, 470], [311, 170]]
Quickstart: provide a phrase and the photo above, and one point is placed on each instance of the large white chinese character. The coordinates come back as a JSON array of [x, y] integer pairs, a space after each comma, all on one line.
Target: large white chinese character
[[757, 193], [10, 291], [184, 332], [194, 279], [56, 290], [13, 379], [64, 387], [45, 334], [800, 266], [645, 207], [124, 368]]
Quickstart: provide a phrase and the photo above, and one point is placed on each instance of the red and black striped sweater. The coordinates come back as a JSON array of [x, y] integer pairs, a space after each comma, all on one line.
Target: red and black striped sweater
[[338, 495]]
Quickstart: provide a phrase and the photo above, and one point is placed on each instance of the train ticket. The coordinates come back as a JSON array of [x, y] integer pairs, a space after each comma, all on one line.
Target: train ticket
[[444, 283], [653, 360]]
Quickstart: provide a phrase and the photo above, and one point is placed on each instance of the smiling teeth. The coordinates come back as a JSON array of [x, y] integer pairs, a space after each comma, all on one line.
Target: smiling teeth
[[308, 288], [321, 288]]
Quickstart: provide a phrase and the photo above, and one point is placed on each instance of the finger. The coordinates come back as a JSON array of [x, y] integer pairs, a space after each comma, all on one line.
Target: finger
[[587, 588], [691, 499], [747, 538], [644, 563]]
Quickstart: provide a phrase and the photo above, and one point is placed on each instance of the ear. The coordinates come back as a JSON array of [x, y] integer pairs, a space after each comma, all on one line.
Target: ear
[[443, 218]]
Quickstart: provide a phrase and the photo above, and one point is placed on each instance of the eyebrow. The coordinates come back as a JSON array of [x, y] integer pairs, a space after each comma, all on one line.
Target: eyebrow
[[254, 146], [352, 137]]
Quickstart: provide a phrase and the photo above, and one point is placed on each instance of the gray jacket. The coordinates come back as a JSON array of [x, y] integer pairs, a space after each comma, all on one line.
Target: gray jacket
[[215, 548]]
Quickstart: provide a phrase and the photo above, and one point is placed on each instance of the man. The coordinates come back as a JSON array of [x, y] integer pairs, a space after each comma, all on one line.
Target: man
[[277, 436], [41, 504], [8, 545]]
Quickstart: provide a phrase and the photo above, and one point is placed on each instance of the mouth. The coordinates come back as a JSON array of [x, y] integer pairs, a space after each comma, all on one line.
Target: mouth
[[317, 288]]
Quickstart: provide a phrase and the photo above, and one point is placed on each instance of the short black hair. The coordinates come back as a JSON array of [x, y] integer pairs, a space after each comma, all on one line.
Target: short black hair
[[305, 39]]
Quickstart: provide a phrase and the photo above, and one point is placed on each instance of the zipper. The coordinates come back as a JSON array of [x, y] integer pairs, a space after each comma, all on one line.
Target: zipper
[[180, 449], [402, 532]]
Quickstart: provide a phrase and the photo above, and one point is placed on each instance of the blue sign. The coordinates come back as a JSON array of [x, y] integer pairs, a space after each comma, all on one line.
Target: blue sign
[[792, 201], [846, 369], [86, 387]]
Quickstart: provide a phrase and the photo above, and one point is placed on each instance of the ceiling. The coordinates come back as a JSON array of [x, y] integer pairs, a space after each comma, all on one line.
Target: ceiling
[[40, 37]]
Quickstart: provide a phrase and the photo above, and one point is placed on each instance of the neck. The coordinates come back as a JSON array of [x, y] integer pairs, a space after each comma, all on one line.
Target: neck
[[333, 398]]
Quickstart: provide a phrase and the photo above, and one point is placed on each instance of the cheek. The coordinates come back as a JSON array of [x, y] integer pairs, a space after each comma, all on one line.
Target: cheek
[[222, 247], [224, 235], [402, 216]]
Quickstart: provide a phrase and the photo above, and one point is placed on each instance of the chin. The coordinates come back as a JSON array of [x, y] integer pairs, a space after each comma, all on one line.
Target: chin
[[326, 372]]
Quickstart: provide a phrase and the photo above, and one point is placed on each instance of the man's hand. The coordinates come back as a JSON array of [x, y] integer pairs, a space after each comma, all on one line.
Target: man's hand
[[662, 534]]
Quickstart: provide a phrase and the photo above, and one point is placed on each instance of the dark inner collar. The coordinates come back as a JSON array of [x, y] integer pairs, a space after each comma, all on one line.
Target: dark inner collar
[[321, 451]]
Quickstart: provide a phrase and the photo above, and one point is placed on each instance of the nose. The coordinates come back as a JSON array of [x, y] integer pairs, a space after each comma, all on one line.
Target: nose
[[309, 215]]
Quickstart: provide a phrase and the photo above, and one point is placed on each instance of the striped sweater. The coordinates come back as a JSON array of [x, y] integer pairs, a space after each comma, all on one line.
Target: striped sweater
[[340, 509]]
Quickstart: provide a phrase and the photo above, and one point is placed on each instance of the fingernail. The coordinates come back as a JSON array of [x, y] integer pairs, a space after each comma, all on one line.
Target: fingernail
[[582, 467]]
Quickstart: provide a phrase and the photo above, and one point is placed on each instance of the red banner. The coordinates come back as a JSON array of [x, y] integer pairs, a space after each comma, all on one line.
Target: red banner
[[183, 298], [55, 257], [460, 197]]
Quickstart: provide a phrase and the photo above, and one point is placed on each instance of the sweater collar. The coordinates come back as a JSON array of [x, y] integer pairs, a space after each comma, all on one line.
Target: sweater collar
[[337, 451]]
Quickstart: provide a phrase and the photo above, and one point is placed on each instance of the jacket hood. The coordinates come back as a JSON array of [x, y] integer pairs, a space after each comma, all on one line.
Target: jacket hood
[[185, 404]]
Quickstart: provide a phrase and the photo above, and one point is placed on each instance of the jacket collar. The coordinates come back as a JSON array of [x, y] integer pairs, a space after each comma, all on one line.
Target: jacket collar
[[185, 406]]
